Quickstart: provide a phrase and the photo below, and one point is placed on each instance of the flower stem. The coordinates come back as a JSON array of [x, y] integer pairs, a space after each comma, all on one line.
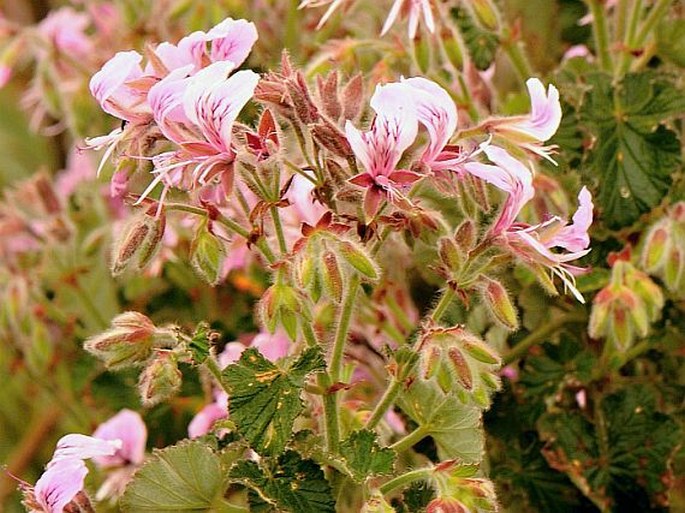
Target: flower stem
[[517, 57], [629, 37], [444, 302], [411, 439], [278, 226], [309, 335], [655, 14], [384, 404], [343, 328], [600, 33], [228, 223], [538, 335], [405, 479]]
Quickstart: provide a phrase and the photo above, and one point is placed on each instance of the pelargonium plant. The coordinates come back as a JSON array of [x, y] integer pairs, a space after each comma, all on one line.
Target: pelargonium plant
[[391, 255]]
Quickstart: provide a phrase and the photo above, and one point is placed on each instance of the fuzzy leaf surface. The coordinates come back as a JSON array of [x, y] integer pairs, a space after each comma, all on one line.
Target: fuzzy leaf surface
[[455, 426], [289, 484], [182, 478], [265, 399], [364, 457]]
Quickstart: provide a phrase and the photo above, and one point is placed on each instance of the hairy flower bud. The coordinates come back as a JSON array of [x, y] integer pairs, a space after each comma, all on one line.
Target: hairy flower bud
[[129, 342], [486, 14], [450, 255], [624, 309], [356, 256], [332, 276], [331, 137], [160, 380], [305, 110], [139, 242], [446, 505], [206, 255], [452, 47], [352, 96], [465, 235], [497, 299], [328, 92]]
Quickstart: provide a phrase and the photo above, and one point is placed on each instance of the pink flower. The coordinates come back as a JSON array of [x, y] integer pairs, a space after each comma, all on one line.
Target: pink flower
[[65, 30], [197, 113], [205, 419], [538, 126], [128, 427], [5, 74], [411, 9], [110, 87], [437, 112], [64, 476], [58, 485], [231, 40], [510, 176], [533, 243], [380, 149]]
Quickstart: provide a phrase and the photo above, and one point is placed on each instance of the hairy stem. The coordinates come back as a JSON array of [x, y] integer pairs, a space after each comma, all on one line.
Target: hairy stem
[[600, 33], [539, 335], [405, 479], [411, 439], [387, 400], [278, 227]]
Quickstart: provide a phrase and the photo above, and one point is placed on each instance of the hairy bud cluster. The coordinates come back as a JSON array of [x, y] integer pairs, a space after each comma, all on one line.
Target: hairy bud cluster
[[623, 310], [663, 253]]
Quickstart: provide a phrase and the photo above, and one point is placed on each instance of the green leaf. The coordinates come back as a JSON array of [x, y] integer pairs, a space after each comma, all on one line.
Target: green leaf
[[634, 155], [185, 477], [482, 44], [620, 459], [455, 427], [265, 399], [290, 484], [199, 345], [364, 457]]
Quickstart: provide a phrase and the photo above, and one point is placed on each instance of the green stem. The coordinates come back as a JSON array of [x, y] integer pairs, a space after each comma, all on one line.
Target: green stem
[[655, 14], [629, 39], [621, 14], [291, 33], [519, 60], [468, 99], [330, 412], [444, 302], [309, 335], [411, 439], [299, 171], [538, 335], [405, 479], [276, 217], [228, 223], [600, 33], [213, 367], [343, 328], [384, 404], [399, 314]]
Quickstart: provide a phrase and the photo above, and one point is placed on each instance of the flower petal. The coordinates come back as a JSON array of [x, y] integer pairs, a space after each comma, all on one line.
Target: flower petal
[[127, 426], [83, 447], [59, 484], [232, 40]]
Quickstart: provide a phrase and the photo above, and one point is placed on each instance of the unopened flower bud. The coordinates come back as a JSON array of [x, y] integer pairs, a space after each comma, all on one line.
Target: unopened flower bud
[[332, 276], [497, 299], [160, 380], [446, 505], [449, 253], [330, 137], [129, 342], [461, 368], [465, 235], [377, 504], [601, 308], [356, 256], [328, 92], [46, 194], [352, 96], [673, 268], [140, 241], [431, 362], [480, 350], [305, 110], [656, 247], [206, 255], [486, 14], [422, 52], [453, 49]]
